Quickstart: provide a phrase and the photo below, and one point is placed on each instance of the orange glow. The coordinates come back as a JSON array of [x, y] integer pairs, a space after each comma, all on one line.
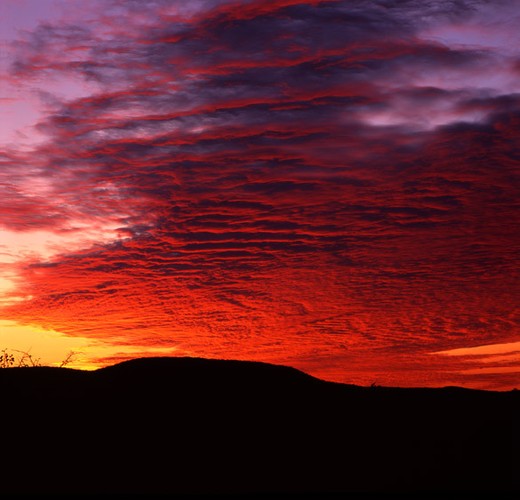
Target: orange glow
[[510, 347]]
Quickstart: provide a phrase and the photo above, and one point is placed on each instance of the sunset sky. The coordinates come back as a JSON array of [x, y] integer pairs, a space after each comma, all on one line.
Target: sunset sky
[[330, 185]]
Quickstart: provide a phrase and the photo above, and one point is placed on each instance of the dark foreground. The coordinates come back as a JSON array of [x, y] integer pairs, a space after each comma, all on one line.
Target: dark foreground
[[182, 425]]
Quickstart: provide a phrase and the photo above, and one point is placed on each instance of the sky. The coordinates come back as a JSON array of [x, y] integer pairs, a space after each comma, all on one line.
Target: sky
[[329, 185]]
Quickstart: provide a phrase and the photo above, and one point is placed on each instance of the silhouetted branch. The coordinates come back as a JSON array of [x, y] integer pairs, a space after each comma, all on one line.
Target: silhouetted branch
[[6, 359], [68, 359], [26, 359]]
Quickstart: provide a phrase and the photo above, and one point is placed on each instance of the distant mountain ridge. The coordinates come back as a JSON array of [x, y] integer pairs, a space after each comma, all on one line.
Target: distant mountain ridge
[[192, 425]]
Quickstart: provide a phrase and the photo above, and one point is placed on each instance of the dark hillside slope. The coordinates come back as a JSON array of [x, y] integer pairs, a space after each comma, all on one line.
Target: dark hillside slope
[[187, 425]]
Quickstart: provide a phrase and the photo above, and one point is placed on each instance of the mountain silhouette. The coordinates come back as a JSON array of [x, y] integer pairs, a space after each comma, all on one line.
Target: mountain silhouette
[[200, 426]]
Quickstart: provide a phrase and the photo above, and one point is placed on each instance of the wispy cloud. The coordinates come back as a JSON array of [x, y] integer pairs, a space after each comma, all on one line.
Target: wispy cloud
[[484, 350]]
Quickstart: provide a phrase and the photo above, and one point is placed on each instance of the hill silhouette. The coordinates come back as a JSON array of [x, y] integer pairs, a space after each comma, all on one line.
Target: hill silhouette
[[199, 426]]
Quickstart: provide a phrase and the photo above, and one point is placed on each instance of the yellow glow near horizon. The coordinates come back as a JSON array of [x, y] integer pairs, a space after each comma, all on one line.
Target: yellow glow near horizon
[[50, 347]]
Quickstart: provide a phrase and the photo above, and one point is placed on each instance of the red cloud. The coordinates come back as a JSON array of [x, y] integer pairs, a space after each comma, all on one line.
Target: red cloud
[[263, 214]]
